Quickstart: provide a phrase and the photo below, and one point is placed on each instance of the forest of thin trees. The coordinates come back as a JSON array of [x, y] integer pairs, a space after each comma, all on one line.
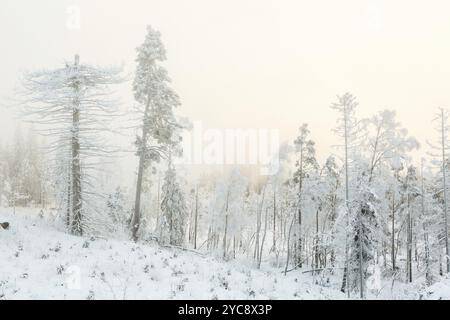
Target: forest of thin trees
[[369, 211]]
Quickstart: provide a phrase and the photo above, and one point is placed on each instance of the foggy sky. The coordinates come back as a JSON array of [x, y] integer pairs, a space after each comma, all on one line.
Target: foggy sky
[[252, 63]]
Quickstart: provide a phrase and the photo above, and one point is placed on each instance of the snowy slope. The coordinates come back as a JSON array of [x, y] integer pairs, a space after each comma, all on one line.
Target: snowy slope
[[40, 262]]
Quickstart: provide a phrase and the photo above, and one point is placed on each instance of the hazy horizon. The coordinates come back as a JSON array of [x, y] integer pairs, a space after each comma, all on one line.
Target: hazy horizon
[[251, 64]]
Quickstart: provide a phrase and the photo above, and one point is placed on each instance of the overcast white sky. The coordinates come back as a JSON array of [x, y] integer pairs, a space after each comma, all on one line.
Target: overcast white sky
[[253, 63]]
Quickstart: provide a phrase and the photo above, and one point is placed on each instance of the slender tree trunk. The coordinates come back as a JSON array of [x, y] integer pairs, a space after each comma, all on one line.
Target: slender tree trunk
[[69, 195], [427, 256], [158, 207], [361, 262], [263, 240], [258, 223], [288, 247], [316, 246], [345, 278], [234, 247], [171, 228], [226, 227], [77, 228], [333, 219], [225, 237], [274, 221], [425, 231], [209, 239], [136, 221], [409, 242], [299, 253], [196, 218], [444, 177], [393, 233]]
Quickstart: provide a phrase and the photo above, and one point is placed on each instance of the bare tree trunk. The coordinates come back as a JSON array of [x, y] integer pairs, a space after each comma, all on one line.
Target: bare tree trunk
[[258, 228], [226, 227], [393, 233], [288, 246], [234, 247], [444, 174], [361, 262], [345, 279], [69, 195], [171, 228], [136, 221], [427, 256], [158, 207], [225, 237], [274, 244], [409, 243], [300, 244], [209, 239], [316, 246], [333, 219], [263, 240], [77, 228], [258, 224], [196, 218], [425, 231], [191, 224]]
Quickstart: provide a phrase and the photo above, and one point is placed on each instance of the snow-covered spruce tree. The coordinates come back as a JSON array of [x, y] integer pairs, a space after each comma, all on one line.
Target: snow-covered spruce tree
[[156, 101], [385, 143], [348, 129], [431, 227], [332, 184], [321, 203], [117, 210], [364, 236], [395, 204], [72, 104], [439, 195], [306, 163], [173, 210], [411, 191], [386, 147]]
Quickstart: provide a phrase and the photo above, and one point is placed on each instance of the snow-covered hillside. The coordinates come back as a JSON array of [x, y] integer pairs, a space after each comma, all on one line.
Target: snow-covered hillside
[[40, 262]]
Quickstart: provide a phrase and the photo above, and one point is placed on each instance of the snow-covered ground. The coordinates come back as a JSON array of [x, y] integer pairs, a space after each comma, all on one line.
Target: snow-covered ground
[[40, 262]]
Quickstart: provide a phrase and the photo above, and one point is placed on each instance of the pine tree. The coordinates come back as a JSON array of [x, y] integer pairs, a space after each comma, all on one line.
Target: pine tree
[[173, 210], [116, 204], [156, 101], [71, 105], [348, 130], [306, 163]]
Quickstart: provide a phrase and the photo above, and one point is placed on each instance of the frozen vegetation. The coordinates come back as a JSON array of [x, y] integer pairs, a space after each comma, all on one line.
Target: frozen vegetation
[[41, 262], [368, 222]]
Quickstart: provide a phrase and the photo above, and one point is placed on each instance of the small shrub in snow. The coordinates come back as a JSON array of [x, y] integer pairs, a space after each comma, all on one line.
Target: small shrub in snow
[[91, 295], [60, 269]]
